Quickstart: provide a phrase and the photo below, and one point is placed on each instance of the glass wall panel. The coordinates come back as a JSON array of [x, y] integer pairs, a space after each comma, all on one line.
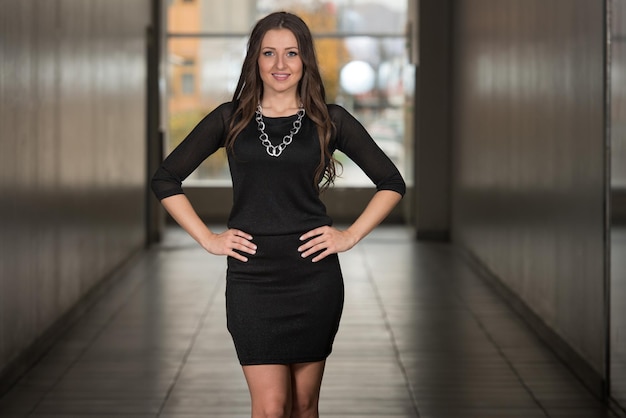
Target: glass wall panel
[[617, 131], [361, 48]]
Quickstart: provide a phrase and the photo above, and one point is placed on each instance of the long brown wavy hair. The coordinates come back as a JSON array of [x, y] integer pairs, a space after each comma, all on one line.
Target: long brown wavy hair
[[311, 90]]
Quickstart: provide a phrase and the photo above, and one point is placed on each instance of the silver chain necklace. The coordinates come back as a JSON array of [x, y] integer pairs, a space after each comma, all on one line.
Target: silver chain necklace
[[276, 150]]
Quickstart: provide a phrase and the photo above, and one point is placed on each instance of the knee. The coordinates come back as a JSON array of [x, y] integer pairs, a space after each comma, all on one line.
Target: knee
[[272, 409], [304, 408]]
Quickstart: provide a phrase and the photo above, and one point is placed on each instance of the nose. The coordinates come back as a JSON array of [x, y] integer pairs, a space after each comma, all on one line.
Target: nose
[[280, 62]]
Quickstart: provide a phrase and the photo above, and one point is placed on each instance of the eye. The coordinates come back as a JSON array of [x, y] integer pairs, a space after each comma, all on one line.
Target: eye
[[268, 53], [292, 53]]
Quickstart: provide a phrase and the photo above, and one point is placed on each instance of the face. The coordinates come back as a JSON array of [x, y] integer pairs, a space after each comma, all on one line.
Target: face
[[279, 62]]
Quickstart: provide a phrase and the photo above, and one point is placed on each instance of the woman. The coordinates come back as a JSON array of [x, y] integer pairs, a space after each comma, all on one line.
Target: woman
[[284, 289]]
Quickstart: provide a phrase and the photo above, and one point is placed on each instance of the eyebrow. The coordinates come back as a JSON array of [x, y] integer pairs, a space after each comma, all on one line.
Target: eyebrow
[[271, 47]]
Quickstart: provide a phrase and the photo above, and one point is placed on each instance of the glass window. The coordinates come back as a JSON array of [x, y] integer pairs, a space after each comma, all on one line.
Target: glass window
[[188, 84], [361, 47]]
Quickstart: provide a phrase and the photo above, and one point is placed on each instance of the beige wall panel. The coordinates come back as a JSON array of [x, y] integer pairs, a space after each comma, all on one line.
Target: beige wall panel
[[528, 186], [72, 129], [618, 200]]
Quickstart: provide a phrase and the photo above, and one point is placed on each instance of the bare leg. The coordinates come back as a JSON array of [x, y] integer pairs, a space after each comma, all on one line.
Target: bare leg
[[270, 390], [305, 386]]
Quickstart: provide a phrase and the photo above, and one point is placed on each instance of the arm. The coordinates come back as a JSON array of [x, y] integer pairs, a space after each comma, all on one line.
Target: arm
[[204, 139], [354, 140], [375, 212], [332, 240], [219, 244]]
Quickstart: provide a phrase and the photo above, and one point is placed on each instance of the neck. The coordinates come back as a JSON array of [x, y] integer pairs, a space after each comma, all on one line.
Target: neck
[[280, 106]]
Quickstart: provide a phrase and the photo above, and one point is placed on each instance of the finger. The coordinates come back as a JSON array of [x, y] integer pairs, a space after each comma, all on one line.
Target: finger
[[313, 233], [235, 254], [244, 243], [239, 233], [321, 256], [315, 244], [245, 249], [315, 249], [310, 244]]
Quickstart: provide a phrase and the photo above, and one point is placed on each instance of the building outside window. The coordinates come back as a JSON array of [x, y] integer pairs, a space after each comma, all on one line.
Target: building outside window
[[188, 84]]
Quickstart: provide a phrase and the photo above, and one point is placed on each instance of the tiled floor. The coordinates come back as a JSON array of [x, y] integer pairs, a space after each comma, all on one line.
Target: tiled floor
[[421, 336]]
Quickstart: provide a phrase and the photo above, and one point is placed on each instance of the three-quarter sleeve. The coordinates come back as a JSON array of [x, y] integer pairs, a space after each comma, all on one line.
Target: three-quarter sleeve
[[353, 139], [203, 140]]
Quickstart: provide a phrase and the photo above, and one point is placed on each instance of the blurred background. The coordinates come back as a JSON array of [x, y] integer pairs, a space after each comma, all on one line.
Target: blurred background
[[361, 47]]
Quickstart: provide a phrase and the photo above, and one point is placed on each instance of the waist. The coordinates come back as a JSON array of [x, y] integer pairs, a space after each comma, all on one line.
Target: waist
[[278, 228], [278, 253]]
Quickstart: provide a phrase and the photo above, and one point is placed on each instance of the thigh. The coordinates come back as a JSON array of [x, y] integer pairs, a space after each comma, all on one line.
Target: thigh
[[269, 385], [306, 383]]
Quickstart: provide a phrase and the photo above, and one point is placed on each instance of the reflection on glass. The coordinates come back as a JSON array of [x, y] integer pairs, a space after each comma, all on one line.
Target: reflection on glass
[[368, 72]]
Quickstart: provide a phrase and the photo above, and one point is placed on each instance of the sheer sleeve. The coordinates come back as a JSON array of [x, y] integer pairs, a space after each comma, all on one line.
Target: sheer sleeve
[[206, 138], [353, 139]]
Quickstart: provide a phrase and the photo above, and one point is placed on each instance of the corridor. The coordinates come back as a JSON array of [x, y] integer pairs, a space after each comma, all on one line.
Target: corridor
[[422, 336]]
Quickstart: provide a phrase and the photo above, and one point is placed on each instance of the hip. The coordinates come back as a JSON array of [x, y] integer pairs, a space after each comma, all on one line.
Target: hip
[[278, 256]]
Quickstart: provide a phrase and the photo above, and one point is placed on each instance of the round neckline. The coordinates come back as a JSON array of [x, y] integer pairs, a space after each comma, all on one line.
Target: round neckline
[[294, 114], [280, 117]]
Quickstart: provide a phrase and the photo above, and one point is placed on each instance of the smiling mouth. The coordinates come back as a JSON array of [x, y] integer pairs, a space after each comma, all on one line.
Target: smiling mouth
[[280, 76]]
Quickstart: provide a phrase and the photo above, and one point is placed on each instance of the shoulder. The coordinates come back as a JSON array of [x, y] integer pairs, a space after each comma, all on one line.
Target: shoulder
[[220, 114], [226, 108], [337, 112]]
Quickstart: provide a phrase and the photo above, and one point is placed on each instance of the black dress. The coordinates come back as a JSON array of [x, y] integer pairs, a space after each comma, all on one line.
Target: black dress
[[281, 308]]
